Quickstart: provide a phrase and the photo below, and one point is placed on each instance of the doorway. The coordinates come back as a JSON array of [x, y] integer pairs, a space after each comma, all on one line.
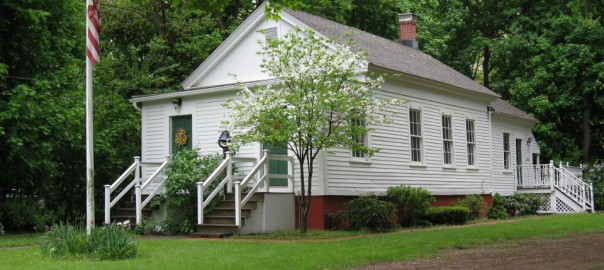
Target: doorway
[[181, 135], [277, 166]]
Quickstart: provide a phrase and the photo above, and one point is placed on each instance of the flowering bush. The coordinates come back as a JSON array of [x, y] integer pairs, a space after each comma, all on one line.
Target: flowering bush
[[321, 92], [184, 170], [595, 174]]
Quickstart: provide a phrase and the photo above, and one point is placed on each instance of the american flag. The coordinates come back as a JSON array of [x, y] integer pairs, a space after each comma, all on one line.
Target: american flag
[[94, 30]]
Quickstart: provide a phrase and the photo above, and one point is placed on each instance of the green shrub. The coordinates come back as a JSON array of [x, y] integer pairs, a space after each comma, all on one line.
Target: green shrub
[[104, 243], [183, 171], [23, 213], [498, 211], [1, 229], [411, 203], [526, 203], [448, 215], [112, 243], [475, 203], [337, 220], [369, 212]]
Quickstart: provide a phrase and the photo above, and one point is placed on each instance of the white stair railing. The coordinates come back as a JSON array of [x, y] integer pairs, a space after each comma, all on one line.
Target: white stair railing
[[135, 167], [138, 188], [574, 187], [227, 164], [262, 180], [565, 178]]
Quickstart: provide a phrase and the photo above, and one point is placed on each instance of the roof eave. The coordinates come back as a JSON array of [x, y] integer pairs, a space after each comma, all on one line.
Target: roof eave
[[530, 120], [200, 91], [439, 85]]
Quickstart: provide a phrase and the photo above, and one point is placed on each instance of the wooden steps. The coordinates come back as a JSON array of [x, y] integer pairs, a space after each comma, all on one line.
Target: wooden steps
[[126, 211], [221, 221]]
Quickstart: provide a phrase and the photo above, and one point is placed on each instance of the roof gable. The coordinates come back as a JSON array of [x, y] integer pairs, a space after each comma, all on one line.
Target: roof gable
[[236, 55]]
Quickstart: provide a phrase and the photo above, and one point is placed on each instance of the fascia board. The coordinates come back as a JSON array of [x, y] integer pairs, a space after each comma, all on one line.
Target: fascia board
[[408, 78], [201, 91]]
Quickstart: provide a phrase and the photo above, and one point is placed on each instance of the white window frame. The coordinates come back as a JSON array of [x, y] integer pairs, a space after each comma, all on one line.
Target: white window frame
[[471, 142], [416, 132], [357, 156], [507, 154], [447, 138]]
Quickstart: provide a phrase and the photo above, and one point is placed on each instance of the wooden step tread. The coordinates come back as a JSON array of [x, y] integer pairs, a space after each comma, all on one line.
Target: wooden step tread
[[218, 225], [211, 234]]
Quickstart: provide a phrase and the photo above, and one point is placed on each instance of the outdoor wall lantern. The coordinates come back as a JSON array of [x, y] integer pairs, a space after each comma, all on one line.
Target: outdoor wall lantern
[[528, 141], [223, 141], [177, 102]]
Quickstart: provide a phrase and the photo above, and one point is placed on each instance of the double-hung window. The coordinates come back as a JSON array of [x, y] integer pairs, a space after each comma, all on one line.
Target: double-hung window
[[471, 141], [506, 151], [447, 140], [415, 130], [361, 139]]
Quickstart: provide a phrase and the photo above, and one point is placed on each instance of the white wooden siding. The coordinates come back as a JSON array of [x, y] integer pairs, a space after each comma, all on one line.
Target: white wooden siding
[[392, 165], [503, 180]]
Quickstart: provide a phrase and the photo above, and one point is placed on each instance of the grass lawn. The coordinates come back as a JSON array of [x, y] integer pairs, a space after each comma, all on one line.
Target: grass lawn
[[295, 234], [238, 254], [22, 239]]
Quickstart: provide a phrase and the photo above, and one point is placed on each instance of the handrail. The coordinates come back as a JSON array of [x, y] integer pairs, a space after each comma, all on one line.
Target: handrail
[[138, 190], [123, 176], [216, 172], [135, 167], [577, 189], [201, 186], [253, 190], [124, 191], [254, 170], [238, 184], [156, 173], [215, 192]]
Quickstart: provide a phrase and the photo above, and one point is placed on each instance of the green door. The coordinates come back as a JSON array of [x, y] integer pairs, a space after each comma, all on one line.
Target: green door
[[277, 166], [182, 133]]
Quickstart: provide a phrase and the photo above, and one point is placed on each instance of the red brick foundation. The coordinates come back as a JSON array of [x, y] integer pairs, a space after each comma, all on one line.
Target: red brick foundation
[[320, 206]]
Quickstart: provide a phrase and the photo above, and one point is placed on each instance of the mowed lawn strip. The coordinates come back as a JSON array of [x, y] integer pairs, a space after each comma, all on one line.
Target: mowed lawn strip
[[403, 245], [23, 239]]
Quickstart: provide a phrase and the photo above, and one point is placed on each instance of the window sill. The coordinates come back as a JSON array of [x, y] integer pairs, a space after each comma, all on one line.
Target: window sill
[[507, 172], [449, 167], [360, 160], [472, 168], [417, 165]]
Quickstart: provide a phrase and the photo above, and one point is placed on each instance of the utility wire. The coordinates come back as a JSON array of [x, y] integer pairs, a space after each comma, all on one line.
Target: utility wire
[[155, 90]]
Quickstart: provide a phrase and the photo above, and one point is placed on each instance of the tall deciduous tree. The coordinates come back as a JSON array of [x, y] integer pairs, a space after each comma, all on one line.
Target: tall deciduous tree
[[314, 105]]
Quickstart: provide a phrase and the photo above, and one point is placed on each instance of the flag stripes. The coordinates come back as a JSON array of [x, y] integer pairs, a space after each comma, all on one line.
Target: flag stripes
[[94, 30]]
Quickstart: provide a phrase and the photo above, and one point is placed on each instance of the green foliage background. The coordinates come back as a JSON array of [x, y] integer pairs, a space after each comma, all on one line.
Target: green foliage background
[[546, 57]]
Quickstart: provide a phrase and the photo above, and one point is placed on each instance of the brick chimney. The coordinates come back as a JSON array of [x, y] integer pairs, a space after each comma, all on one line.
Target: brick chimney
[[407, 24]]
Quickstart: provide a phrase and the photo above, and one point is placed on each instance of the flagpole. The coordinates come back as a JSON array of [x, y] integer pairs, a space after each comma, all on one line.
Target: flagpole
[[89, 140]]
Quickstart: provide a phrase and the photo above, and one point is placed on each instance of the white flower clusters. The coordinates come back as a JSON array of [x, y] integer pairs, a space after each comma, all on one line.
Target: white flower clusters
[[315, 101]]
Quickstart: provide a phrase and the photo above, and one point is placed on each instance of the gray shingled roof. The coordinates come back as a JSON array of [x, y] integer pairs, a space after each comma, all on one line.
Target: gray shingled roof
[[501, 106], [390, 54]]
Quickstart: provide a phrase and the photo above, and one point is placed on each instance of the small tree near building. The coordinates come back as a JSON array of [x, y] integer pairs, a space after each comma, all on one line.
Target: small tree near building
[[317, 104]]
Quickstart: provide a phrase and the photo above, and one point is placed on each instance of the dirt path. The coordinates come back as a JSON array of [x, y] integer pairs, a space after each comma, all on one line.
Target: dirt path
[[574, 252]]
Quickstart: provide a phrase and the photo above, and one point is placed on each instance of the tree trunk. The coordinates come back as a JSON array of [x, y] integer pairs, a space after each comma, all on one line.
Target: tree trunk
[[586, 134], [219, 23], [485, 67]]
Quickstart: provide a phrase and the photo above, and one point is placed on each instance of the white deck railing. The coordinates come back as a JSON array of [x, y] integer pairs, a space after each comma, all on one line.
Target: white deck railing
[[565, 178]]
